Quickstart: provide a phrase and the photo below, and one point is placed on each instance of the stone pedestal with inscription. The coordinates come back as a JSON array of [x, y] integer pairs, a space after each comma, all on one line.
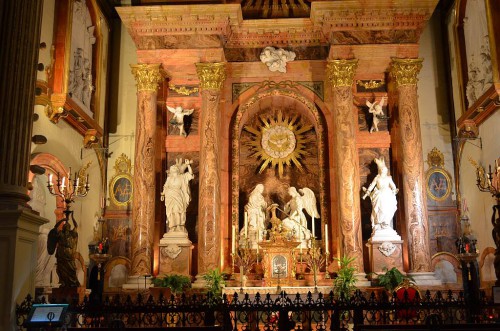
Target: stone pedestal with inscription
[[176, 252], [388, 254]]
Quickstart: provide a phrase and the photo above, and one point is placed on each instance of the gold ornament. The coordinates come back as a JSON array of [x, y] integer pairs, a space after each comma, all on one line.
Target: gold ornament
[[147, 76], [405, 71], [211, 75], [435, 158], [341, 72], [279, 142], [184, 90], [371, 85]]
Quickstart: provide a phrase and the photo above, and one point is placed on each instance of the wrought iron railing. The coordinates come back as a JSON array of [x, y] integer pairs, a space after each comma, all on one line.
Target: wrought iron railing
[[274, 311]]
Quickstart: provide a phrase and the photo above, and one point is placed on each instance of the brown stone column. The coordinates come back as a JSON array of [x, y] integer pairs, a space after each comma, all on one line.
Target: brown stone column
[[20, 38], [405, 72], [148, 78], [341, 74], [212, 76]]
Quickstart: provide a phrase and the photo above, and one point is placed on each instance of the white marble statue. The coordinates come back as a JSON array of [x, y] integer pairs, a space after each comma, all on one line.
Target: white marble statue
[[296, 220], [178, 118], [177, 195], [382, 192], [255, 214], [276, 59], [377, 111]]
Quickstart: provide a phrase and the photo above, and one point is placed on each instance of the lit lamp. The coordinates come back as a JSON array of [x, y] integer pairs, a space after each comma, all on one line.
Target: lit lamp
[[490, 182]]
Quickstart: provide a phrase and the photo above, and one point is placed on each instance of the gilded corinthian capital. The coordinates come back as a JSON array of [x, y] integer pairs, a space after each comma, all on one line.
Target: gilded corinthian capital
[[147, 76], [211, 75], [341, 72], [405, 71]]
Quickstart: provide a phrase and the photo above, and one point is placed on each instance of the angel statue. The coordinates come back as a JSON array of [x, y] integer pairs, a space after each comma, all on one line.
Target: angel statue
[[296, 220], [63, 242], [377, 111], [178, 118]]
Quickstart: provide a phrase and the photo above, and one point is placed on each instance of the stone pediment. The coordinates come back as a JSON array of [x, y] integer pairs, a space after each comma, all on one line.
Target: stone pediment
[[222, 25]]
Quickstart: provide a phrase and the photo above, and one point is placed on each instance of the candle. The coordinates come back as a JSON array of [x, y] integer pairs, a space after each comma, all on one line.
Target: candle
[[77, 182], [246, 224], [62, 183], [313, 228], [233, 240], [326, 238], [300, 239], [50, 180]]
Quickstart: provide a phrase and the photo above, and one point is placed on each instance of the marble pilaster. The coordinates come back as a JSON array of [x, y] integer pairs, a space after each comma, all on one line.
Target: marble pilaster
[[341, 74], [19, 226], [212, 76], [148, 78], [405, 72]]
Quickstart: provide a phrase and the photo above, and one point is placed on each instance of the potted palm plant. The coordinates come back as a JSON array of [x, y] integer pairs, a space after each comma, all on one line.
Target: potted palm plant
[[345, 282], [392, 278], [176, 283]]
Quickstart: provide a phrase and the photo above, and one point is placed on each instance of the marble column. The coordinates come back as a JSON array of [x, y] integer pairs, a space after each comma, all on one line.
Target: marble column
[[212, 76], [405, 72], [148, 78], [340, 75], [19, 226]]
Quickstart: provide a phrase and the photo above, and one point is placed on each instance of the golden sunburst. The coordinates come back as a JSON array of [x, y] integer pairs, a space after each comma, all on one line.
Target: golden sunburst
[[279, 141]]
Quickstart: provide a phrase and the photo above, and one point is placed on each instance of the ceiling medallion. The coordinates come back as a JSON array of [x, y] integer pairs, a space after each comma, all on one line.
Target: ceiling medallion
[[279, 141]]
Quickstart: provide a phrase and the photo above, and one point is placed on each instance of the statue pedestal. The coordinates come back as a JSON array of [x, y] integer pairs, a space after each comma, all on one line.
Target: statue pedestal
[[387, 253], [176, 252], [68, 294]]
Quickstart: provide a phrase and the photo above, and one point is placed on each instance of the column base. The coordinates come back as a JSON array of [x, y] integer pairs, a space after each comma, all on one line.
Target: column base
[[361, 280], [138, 283], [68, 294], [425, 278], [199, 282]]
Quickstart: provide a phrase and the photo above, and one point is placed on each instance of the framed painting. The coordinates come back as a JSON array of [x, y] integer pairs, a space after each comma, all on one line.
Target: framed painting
[[438, 183], [80, 65]]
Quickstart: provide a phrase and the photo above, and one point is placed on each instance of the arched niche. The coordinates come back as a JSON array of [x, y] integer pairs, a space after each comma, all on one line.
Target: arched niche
[[267, 107]]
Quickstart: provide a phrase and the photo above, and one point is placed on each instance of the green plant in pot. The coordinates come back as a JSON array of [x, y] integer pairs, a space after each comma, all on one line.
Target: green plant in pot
[[214, 280], [392, 278], [345, 282], [176, 283]]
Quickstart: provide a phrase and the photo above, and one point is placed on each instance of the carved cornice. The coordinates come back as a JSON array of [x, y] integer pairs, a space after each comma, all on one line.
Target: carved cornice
[[211, 75], [365, 22], [405, 71], [147, 76], [340, 73], [335, 22]]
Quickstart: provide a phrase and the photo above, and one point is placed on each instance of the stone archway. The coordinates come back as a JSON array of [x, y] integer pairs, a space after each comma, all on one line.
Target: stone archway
[[53, 166]]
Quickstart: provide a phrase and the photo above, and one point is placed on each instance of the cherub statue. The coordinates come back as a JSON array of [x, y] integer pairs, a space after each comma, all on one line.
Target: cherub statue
[[178, 118], [296, 220], [377, 111], [276, 59]]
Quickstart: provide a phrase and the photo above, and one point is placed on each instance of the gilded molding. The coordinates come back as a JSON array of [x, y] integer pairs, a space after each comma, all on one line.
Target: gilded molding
[[184, 90], [211, 75], [147, 76], [340, 73], [405, 71], [372, 84]]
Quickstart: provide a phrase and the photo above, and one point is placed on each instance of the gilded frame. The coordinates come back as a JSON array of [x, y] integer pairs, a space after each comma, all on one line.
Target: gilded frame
[[433, 188], [121, 189]]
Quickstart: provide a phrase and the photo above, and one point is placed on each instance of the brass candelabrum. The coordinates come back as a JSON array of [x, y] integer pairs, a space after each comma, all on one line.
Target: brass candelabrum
[[245, 260], [314, 261], [68, 189]]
